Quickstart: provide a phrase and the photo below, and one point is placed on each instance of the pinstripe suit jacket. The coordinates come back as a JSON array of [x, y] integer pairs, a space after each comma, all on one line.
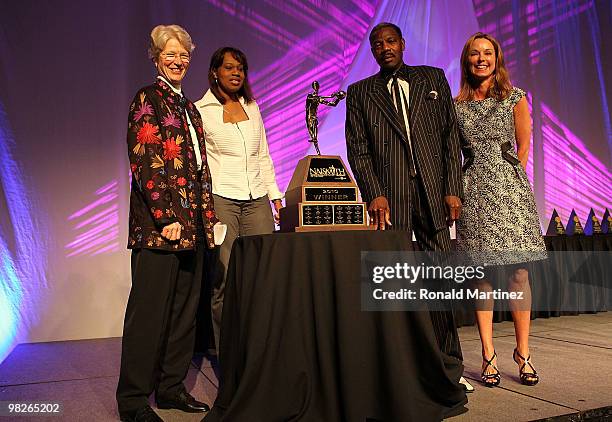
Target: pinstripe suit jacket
[[377, 146]]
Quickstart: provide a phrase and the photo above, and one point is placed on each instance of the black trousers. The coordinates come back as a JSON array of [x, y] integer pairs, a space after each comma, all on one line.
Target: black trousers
[[159, 327], [430, 240]]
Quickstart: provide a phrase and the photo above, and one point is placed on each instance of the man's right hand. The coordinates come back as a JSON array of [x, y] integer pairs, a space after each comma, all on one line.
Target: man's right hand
[[380, 213]]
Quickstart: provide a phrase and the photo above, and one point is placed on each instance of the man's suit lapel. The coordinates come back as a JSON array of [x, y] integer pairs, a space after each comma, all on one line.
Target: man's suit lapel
[[417, 91], [381, 97]]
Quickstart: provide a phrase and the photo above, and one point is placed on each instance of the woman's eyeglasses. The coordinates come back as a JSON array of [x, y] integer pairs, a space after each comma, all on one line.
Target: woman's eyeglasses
[[170, 56]]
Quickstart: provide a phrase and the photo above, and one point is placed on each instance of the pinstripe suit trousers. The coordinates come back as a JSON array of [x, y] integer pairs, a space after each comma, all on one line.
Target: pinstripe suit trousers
[[443, 321]]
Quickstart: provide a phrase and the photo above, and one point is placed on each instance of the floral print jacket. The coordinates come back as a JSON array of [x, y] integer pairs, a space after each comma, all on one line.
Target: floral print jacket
[[165, 181]]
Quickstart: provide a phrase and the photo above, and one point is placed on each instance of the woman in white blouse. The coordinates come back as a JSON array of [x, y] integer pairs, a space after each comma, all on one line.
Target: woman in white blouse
[[243, 178]]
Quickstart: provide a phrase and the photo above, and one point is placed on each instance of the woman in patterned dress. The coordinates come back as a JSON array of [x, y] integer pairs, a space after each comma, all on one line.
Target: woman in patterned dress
[[499, 223]]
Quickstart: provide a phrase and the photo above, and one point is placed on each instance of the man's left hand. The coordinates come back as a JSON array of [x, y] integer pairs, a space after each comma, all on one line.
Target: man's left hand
[[453, 209]]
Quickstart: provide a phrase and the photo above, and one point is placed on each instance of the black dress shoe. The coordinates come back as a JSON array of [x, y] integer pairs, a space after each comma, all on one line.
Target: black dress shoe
[[182, 401], [144, 414]]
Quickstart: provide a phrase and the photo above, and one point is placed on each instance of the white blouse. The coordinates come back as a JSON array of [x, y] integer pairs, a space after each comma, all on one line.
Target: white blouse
[[238, 155]]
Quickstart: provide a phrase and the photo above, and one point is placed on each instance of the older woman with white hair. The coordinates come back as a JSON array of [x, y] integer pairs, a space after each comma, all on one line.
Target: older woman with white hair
[[170, 226]]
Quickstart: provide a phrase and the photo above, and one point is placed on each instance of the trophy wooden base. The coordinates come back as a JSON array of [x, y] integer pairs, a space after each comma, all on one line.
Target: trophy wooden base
[[323, 228], [322, 196]]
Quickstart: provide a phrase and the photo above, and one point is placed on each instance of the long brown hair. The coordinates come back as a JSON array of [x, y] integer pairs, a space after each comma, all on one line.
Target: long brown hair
[[500, 86], [215, 63]]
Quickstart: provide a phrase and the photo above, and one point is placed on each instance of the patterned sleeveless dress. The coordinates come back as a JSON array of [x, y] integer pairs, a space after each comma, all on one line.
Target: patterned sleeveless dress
[[499, 222]]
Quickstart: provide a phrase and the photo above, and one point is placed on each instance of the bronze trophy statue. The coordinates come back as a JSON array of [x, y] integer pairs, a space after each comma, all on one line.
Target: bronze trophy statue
[[312, 105], [322, 195]]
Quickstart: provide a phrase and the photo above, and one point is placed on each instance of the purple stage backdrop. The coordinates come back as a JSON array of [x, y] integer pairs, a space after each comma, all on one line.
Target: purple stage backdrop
[[68, 70]]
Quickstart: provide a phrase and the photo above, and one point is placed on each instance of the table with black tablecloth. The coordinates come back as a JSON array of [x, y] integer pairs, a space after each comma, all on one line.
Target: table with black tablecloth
[[554, 292], [581, 280], [295, 345]]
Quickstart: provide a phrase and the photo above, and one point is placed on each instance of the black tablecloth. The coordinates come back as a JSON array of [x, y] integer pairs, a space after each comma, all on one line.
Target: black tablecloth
[[581, 282], [295, 345], [555, 292], [596, 242]]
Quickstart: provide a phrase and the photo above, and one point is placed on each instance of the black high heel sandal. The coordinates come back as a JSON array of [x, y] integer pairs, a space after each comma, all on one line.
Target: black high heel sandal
[[527, 378], [490, 380]]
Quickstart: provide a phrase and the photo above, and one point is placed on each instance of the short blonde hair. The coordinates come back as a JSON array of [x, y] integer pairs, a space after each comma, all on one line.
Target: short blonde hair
[[161, 34]]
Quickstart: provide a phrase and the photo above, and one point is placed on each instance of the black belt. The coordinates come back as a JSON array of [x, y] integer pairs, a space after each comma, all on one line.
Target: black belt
[[506, 147]]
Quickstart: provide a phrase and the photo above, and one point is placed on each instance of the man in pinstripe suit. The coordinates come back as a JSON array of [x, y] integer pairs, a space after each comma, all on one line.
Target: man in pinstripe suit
[[403, 147]]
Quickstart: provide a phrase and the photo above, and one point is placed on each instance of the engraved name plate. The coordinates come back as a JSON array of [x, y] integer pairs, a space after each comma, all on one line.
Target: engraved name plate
[[316, 215], [349, 214], [330, 194]]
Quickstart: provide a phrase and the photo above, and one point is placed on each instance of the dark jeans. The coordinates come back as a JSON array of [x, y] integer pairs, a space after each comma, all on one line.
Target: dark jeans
[[243, 218]]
